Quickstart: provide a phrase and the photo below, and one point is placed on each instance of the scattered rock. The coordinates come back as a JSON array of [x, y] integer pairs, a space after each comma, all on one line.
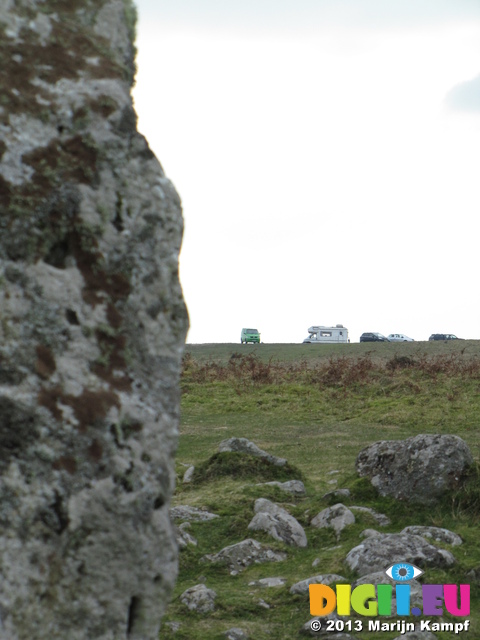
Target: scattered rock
[[337, 493], [278, 523], [192, 514], [417, 635], [380, 577], [435, 533], [328, 578], [379, 552], [368, 533], [236, 634], [242, 445], [188, 475], [291, 486], [199, 598], [336, 518], [420, 469], [268, 582], [474, 574], [174, 625], [183, 537], [263, 604], [243, 554], [380, 518]]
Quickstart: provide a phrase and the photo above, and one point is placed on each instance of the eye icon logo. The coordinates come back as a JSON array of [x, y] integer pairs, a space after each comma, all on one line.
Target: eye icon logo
[[403, 572]]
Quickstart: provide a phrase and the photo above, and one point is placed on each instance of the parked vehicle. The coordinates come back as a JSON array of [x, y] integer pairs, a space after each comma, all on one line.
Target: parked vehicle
[[399, 337], [327, 335], [249, 335], [373, 337], [443, 336]]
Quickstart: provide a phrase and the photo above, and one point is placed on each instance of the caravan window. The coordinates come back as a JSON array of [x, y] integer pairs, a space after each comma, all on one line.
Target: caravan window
[[326, 334]]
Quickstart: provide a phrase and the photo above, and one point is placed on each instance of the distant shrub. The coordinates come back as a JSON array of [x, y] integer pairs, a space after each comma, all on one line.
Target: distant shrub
[[243, 371]]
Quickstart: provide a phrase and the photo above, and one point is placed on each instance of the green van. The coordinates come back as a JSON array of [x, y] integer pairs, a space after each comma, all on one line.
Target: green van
[[249, 335]]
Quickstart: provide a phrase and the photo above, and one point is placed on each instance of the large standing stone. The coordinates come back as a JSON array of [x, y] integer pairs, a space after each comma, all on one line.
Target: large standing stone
[[420, 469], [91, 332]]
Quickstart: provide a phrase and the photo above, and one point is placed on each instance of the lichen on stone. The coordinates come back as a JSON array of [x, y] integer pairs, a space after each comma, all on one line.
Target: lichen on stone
[[92, 326]]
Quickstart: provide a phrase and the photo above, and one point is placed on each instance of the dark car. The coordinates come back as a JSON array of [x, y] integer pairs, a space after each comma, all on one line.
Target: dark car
[[373, 337], [443, 336]]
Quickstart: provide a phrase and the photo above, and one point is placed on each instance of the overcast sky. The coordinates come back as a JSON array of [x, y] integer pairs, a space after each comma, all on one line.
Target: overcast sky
[[327, 153]]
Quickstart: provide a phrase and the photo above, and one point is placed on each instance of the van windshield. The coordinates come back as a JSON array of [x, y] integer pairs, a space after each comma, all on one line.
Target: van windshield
[[251, 331]]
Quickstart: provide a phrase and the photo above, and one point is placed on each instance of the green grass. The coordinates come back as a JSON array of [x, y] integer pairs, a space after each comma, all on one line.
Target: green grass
[[317, 406]]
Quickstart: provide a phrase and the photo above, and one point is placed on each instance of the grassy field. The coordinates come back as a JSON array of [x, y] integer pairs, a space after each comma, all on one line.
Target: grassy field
[[317, 406]]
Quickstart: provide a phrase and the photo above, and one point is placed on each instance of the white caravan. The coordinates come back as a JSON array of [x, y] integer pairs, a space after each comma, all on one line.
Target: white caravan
[[327, 335]]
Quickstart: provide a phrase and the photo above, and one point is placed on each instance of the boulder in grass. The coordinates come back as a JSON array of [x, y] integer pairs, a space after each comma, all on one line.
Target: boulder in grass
[[300, 588], [191, 514], [336, 518], [278, 523], [199, 599], [376, 553], [242, 445], [419, 470], [243, 554], [437, 534], [295, 487]]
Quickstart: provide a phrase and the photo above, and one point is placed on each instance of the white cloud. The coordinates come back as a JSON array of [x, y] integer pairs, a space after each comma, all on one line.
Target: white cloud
[[308, 15], [322, 181], [465, 96]]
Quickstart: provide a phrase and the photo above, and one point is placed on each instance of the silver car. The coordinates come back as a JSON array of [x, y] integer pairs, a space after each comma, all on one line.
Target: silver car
[[399, 337]]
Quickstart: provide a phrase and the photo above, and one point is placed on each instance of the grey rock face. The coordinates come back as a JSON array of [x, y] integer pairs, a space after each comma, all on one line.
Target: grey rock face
[[199, 599], [420, 469], [278, 523], [243, 554], [91, 334], [435, 533], [377, 553], [242, 445], [336, 518]]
